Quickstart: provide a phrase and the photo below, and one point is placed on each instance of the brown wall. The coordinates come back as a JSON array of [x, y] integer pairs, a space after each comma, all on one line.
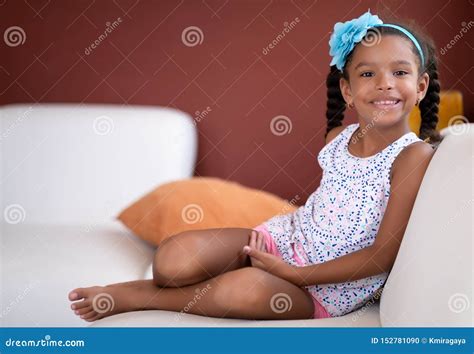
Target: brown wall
[[144, 61]]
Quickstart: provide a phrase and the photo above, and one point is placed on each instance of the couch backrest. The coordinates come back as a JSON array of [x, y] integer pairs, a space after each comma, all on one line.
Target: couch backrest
[[70, 163], [431, 281]]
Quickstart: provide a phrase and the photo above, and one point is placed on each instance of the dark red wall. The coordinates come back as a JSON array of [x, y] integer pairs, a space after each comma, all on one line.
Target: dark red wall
[[144, 61]]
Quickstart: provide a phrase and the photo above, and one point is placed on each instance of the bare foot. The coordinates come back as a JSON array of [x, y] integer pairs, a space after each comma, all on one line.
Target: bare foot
[[97, 302]]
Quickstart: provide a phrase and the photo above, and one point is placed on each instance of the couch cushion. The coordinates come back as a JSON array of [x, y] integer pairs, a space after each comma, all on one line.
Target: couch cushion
[[367, 316], [73, 163], [41, 264], [200, 203], [431, 281]]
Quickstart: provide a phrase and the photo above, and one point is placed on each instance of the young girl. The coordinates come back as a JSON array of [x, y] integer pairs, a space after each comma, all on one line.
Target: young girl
[[334, 253]]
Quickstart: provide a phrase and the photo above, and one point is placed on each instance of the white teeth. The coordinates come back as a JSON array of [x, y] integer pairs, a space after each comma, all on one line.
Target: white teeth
[[385, 102]]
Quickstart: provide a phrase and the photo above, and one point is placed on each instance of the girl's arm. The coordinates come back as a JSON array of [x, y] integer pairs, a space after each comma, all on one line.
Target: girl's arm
[[408, 170], [353, 266], [407, 173]]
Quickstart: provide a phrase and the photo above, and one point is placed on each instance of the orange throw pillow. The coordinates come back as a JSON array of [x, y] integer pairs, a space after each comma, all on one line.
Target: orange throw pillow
[[200, 203]]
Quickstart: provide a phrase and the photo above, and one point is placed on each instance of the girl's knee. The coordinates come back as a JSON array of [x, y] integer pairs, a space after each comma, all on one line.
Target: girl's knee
[[172, 262]]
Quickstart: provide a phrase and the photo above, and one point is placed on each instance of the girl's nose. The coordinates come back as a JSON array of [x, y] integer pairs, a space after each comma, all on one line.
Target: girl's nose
[[384, 82]]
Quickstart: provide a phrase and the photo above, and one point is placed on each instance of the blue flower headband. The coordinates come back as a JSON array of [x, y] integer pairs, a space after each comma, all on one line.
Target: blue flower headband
[[347, 34]]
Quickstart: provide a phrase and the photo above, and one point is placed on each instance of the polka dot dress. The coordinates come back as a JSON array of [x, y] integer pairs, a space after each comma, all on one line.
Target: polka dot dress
[[342, 216]]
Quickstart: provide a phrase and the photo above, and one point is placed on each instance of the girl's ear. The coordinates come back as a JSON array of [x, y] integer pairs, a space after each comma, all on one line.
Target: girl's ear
[[346, 90], [422, 86]]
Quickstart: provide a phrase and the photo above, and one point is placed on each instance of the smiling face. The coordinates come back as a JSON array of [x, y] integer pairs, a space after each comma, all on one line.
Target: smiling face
[[384, 81]]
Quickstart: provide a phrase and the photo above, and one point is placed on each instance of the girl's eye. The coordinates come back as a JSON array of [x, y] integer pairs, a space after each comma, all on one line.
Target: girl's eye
[[370, 74], [401, 71]]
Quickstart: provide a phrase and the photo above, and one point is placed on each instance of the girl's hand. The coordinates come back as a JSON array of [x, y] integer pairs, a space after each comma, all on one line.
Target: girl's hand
[[266, 261], [257, 242]]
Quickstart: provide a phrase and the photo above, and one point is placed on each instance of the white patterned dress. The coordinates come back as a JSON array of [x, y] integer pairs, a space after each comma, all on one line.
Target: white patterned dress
[[342, 216]]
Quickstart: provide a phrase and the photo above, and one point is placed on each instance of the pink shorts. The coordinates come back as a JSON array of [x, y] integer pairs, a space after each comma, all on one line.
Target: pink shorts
[[319, 310]]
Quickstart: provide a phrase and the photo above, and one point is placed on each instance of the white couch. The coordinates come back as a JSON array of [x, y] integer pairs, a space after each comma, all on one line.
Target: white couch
[[67, 170]]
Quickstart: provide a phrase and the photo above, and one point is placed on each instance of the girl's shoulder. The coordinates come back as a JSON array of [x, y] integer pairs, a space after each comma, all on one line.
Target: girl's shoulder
[[334, 132], [411, 156]]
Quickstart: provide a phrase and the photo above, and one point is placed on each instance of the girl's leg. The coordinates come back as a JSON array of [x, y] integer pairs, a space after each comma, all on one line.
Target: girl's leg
[[247, 293], [193, 256]]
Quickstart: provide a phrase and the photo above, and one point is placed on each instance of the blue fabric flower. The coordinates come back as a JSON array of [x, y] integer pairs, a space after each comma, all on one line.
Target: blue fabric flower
[[347, 34]]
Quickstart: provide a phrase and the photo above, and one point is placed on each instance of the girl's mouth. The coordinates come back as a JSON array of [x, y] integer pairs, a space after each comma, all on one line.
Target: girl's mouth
[[386, 105]]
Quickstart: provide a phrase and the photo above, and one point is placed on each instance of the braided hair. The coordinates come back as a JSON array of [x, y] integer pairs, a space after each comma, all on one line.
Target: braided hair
[[429, 106]]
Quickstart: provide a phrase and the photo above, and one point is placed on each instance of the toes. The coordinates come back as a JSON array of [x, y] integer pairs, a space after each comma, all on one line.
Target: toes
[[89, 315], [76, 294], [83, 311], [80, 304], [95, 318]]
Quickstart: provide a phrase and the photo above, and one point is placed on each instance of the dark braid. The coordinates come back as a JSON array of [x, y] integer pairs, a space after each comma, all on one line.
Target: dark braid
[[336, 104], [429, 105]]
